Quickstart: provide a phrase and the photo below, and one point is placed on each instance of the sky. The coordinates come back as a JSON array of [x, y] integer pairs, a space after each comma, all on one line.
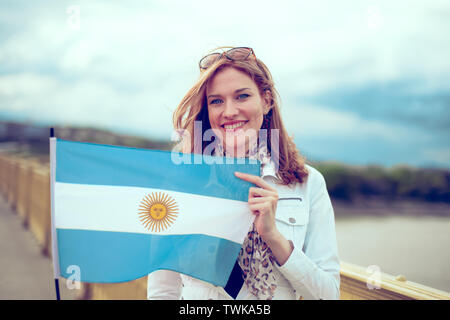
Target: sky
[[361, 82]]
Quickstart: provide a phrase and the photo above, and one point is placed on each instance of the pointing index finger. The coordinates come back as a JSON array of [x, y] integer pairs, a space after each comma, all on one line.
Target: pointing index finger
[[254, 179]]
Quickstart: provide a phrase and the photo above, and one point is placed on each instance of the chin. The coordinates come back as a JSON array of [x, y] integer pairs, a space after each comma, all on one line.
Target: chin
[[238, 150]]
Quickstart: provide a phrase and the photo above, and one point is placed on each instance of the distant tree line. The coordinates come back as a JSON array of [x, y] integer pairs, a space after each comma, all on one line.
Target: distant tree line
[[349, 182], [35, 138]]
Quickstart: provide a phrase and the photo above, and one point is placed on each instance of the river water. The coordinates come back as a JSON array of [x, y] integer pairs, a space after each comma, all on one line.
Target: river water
[[414, 246]]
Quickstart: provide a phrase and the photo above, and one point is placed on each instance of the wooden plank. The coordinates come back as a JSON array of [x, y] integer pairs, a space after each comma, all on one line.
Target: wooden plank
[[354, 280]]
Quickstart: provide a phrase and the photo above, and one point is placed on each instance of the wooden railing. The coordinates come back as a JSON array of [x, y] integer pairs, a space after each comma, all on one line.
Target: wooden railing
[[359, 284], [25, 185]]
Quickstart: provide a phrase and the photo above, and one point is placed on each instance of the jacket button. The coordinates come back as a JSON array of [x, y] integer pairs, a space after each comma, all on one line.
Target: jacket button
[[291, 220]]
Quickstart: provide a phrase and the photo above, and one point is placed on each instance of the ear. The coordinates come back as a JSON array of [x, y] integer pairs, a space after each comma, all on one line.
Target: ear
[[267, 100]]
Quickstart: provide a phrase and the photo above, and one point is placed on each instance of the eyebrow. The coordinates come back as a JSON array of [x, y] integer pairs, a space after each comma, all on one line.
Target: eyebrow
[[237, 91]]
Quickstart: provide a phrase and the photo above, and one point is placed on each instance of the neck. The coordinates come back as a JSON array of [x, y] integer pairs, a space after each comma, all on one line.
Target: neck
[[258, 151]]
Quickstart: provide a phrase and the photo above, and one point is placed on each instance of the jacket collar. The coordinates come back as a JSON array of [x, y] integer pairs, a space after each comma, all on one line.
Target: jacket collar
[[261, 154], [268, 169]]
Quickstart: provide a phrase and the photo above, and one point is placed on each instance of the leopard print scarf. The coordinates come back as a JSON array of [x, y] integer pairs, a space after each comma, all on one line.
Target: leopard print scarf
[[255, 258]]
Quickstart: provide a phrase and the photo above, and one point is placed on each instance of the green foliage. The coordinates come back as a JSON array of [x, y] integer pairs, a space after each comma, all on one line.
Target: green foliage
[[349, 182]]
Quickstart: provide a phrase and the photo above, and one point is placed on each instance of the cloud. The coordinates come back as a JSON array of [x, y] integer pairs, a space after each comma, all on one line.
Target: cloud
[[315, 120], [25, 84], [323, 133], [128, 66], [441, 157], [84, 103], [392, 102]]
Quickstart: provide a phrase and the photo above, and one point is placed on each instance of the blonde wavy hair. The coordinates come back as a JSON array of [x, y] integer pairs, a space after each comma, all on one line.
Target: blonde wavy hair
[[193, 107]]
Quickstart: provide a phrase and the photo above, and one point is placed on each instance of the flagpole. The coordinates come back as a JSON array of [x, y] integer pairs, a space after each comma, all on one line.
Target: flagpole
[[56, 270]]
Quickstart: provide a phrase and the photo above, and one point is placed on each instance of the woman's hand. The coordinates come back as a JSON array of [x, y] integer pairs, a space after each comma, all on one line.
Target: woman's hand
[[262, 201]]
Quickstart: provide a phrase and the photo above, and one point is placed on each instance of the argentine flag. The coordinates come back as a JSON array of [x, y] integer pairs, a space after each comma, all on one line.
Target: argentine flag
[[121, 213]]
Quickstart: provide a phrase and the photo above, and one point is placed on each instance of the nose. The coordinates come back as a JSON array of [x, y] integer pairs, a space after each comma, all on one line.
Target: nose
[[230, 110]]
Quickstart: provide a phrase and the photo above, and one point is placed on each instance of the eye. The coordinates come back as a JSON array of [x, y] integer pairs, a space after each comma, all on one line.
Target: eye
[[215, 101], [243, 96]]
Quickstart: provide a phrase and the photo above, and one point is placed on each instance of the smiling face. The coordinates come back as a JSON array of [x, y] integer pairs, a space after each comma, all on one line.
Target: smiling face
[[235, 106], [158, 211]]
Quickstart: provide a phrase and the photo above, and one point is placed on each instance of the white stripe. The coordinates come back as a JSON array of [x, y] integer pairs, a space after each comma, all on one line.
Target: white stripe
[[116, 208]]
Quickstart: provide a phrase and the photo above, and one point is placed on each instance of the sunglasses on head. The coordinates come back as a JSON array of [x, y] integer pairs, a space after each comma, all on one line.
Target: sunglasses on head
[[235, 54]]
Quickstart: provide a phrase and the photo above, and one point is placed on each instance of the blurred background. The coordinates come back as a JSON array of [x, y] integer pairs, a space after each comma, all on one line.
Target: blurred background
[[364, 85]]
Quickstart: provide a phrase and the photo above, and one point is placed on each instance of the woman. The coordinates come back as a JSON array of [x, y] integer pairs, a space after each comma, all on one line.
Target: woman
[[291, 250]]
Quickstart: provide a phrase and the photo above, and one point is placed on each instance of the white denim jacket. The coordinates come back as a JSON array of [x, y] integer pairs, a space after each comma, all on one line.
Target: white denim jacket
[[304, 216]]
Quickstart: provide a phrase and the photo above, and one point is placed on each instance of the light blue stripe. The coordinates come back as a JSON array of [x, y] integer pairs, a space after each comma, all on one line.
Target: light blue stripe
[[121, 256], [87, 163]]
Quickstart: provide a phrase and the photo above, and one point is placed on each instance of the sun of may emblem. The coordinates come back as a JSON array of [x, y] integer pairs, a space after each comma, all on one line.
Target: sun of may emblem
[[158, 211]]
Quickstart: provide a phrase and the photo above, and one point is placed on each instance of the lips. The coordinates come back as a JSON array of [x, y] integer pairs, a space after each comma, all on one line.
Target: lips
[[233, 126]]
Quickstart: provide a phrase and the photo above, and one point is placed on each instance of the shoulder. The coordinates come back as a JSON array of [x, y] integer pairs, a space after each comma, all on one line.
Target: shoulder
[[315, 180], [313, 185], [315, 177]]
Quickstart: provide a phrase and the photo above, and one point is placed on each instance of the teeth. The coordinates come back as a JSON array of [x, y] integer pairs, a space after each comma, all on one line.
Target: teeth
[[234, 126]]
